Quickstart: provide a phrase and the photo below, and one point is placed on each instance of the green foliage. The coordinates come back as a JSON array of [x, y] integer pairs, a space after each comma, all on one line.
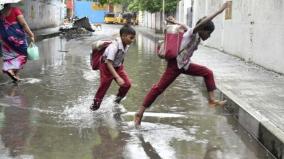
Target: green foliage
[[134, 6], [109, 1], [171, 5], [157, 5], [145, 5]]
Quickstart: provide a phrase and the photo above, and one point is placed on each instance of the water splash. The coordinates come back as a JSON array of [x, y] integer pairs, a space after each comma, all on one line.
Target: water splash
[[80, 115], [30, 80]]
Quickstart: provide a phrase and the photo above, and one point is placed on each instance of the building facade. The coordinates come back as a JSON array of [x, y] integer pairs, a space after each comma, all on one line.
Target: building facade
[[93, 10], [43, 14], [252, 30]]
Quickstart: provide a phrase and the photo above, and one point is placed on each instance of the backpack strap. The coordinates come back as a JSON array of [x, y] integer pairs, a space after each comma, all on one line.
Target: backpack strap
[[117, 45], [190, 43]]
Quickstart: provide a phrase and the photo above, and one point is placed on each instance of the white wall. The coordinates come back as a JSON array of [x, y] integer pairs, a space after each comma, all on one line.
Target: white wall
[[43, 14], [255, 32], [150, 20], [117, 8], [182, 9]]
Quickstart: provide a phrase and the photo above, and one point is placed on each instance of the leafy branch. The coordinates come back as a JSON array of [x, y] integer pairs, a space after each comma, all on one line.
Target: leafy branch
[[144, 5]]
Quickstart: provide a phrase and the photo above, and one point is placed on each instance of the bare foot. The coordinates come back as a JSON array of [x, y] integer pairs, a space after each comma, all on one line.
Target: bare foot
[[214, 103], [137, 120], [12, 75]]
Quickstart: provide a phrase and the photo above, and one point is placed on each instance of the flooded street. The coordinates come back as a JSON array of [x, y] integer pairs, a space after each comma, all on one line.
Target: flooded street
[[47, 115]]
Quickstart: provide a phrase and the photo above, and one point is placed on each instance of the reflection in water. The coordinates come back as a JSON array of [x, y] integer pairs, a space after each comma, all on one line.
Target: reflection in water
[[60, 87], [51, 52], [213, 152], [112, 144], [16, 127], [164, 139], [146, 44], [148, 148]]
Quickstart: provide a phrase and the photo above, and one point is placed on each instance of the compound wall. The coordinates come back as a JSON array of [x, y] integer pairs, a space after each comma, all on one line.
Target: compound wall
[[43, 13], [255, 31]]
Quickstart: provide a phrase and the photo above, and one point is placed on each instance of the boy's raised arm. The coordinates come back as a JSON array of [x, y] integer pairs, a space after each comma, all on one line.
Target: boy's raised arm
[[172, 20], [210, 17]]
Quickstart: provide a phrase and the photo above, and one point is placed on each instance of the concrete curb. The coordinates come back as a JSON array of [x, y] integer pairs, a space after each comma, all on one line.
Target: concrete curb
[[267, 133]]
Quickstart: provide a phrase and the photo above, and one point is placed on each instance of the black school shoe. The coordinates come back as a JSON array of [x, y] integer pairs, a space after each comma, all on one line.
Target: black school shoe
[[118, 108], [95, 106], [118, 99]]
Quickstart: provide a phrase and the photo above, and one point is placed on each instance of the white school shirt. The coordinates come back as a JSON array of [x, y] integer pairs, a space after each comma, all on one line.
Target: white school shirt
[[115, 52], [189, 41]]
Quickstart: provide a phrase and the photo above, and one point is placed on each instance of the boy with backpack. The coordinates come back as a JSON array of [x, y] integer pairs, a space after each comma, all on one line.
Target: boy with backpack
[[182, 64], [111, 67]]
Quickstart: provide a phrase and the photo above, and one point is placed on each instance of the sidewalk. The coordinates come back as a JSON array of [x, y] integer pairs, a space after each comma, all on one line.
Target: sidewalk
[[255, 95]]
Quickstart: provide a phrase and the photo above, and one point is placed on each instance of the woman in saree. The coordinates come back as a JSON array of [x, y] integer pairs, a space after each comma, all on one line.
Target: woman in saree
[[13, 29]]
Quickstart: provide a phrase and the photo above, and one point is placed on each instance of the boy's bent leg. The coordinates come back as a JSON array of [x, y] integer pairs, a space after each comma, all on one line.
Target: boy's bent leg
[[100, 94], [125, 88], [207, 74], [167, 78], [105, 82]]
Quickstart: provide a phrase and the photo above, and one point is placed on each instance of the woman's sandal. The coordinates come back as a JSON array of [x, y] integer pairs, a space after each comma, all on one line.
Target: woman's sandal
[[137, 120], [14, 77]]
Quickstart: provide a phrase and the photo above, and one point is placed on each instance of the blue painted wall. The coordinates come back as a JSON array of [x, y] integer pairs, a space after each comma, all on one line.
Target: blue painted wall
[[84, 8]]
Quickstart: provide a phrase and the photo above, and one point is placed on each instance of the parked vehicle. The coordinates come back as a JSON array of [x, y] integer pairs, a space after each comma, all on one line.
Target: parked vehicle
[[109, 18], [119, 19], [130, 18]]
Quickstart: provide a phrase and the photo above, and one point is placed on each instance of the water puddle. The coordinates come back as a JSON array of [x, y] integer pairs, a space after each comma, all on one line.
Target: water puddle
[[48, 113]]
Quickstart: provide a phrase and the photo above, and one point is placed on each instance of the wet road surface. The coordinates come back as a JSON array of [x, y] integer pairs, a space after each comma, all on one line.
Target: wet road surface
[[47, 115]]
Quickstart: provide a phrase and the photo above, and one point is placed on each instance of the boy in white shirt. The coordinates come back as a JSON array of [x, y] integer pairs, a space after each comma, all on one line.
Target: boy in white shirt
[[182, 63], [112, 67]]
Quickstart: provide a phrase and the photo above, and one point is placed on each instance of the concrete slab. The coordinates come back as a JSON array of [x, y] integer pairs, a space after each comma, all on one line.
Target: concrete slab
[[255, 96]]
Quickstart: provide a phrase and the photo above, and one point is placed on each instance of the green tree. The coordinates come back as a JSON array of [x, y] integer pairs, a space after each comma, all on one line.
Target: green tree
[[102, 2], [134, 6], [145, 5]]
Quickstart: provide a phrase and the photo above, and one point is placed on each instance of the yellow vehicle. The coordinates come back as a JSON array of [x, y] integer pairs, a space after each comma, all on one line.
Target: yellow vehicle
[[109, 18], [118, 19]]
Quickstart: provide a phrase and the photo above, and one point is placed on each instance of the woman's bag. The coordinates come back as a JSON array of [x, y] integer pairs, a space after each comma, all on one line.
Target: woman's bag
[[169, 49], [33, 53]]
